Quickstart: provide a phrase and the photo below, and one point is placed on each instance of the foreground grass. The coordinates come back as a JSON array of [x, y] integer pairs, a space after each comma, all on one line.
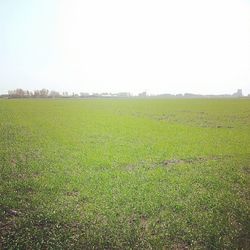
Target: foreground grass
[[120, 174]]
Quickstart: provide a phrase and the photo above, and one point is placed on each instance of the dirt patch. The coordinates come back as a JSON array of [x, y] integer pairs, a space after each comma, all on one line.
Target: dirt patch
[[130, 167], [171, 162], [174, 161], [220, 126], [180, 246], [8, 220], [180, 161], [144, 223], [9, 212], [246, 169], [72, 193]]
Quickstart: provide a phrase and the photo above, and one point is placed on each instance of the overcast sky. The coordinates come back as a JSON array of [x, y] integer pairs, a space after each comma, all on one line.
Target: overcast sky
[[175, 46]]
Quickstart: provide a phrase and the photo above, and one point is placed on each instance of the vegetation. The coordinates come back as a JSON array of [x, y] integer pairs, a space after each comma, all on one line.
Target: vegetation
[[43, 93], [122, 174]]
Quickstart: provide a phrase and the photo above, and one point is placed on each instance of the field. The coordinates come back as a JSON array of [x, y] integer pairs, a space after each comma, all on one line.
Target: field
[[124, 174]]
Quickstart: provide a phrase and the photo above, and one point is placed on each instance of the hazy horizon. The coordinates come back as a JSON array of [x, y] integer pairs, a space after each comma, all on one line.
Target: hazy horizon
[[200, 47], [68, 93]]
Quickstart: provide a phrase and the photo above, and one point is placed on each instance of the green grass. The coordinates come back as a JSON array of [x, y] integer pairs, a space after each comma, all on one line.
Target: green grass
[[124, 174]]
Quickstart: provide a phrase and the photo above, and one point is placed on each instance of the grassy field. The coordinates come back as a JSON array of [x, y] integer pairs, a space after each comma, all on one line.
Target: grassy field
[[124, 174]]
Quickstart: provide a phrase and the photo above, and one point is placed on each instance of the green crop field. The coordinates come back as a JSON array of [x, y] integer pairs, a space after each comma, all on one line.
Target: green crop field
[[124, 174]]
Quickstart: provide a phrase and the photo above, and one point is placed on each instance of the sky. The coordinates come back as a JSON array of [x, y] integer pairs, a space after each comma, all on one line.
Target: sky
[[158, 46]]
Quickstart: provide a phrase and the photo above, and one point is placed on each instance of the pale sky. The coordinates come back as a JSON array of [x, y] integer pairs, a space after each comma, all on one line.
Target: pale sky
[[175, 46]]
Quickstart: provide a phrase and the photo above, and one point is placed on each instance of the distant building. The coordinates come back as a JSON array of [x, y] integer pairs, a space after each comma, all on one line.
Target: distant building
[[190, 95], [238, 93], [123, 94], [166, 95], [84, 94]]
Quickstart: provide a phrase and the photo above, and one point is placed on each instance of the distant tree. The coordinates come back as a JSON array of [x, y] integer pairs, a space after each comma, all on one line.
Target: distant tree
[[54, 94], [17, 93], [74, 94], [27, 93], [41, 93], [44, 93], [36, 93]]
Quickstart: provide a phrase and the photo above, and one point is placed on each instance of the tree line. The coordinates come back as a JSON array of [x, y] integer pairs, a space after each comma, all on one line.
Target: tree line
[[43, 93]]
